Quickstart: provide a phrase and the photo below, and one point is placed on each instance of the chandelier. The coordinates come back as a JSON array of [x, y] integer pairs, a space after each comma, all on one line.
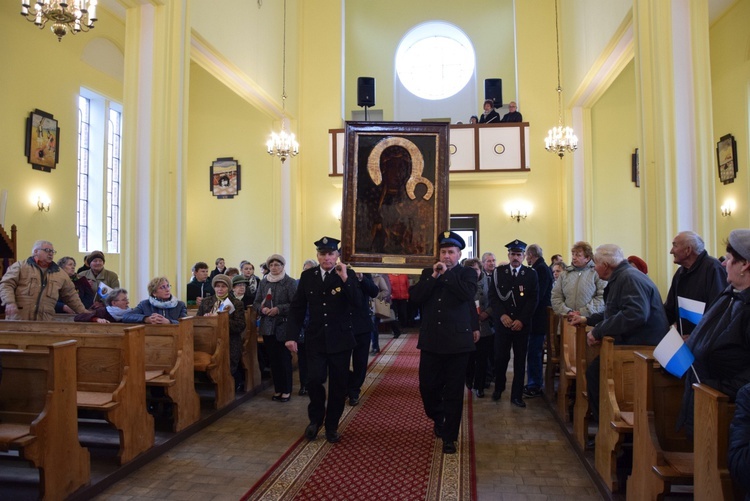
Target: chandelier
[[283, 144], [76, 16], [560, 139]]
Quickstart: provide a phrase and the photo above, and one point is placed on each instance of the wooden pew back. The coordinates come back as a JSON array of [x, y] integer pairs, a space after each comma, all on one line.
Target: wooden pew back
[[553, 353], [584, 355], [211, 340], [566, 388]]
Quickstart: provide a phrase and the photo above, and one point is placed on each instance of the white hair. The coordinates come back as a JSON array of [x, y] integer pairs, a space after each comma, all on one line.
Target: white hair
[[610, 254], [40, 244], [694, 241]]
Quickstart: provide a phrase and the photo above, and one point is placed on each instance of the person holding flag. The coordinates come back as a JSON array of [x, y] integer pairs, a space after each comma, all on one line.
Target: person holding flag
[[720, 342], [695, 285]]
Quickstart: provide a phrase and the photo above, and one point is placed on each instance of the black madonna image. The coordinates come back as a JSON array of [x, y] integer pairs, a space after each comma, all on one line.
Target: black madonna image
[[395, 196]]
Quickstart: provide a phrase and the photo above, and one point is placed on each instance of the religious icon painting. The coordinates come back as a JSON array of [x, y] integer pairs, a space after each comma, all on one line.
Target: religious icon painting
[[225, 177]]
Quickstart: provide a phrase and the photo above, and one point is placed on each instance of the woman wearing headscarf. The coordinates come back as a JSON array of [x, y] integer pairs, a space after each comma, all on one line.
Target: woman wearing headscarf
[[160, 307], [272, 304], [721, 340], [212, 305]]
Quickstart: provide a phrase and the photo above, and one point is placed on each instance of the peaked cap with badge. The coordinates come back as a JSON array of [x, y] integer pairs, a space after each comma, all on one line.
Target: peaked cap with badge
[[451, 239]]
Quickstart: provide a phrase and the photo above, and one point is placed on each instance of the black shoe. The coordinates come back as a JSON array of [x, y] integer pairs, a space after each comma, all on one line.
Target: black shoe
[[353, 401], [240, 388], [449, 447], [312, 431], [496, 395], [479, 393], [518, 402], [374, 352], [276, 398], [531, 392], [591, 444], [333, 436], [438, 430], [284, 398], [302, 391], [396, 336]]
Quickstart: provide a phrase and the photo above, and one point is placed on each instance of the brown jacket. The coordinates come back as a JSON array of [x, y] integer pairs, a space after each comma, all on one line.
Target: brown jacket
[[35, 291]]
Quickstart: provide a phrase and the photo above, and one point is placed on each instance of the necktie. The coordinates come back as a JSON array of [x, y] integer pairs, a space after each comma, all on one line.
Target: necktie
[[514, 273], [325, 275]]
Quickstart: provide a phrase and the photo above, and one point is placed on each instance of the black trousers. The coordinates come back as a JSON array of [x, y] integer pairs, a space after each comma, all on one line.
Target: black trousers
[[476, 372], [360, 355], [281, 364], [505, 340], [335, 368], [592, 387], [302, 364], [441, 384]]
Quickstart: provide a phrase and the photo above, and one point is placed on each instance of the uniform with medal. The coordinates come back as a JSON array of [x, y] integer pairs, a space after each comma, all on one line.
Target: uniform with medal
[[513, 293]]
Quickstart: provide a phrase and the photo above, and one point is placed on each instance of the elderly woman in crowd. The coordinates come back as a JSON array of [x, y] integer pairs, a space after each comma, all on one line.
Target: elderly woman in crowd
[[248, 271], [83, 287], [220, 301], [239, 291], [721, 340], [476, 372], [579, 289], [115, 307], [272, 304], [160, 307]]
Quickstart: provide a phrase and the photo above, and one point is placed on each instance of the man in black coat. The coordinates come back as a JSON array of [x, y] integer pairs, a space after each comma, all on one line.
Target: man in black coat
[[332, 293], [450, 327], [362, 324], [513, 297], [539, 323]]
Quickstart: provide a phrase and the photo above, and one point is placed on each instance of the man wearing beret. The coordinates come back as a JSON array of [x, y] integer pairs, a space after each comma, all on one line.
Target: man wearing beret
[[332, 294], [450, 327], [513, 297]]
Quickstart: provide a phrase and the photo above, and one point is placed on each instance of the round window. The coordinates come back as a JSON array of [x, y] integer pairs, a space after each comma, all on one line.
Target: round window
[[435, 60]]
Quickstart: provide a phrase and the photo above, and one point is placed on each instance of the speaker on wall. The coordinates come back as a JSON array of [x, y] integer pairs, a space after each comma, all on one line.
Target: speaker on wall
[[365, 91], [493, 89]]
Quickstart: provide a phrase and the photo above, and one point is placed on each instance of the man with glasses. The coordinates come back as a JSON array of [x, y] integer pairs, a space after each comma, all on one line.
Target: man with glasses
[[30, 289]]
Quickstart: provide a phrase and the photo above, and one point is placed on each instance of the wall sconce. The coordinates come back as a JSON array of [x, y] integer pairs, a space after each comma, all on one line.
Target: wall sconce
[[727, 208], [518, 214], [43, 204]]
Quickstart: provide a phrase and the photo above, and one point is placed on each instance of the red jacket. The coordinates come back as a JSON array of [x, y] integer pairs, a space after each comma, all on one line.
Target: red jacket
[[399, 286]]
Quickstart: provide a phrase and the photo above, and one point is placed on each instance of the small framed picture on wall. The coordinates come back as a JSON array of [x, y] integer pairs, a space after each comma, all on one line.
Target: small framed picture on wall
[[42, 141], [225, 177], [726, 154]]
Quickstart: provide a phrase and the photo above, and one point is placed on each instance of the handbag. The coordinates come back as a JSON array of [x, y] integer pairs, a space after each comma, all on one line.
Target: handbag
[[383, 310]]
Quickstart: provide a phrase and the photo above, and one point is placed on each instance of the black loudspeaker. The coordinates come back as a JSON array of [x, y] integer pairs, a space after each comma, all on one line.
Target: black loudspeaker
[[493, 89], [366, 91]]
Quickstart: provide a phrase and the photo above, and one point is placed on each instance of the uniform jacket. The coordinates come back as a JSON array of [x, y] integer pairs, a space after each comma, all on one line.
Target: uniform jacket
[[331, 305], [633, 312], [579, 290], [146, 309], [515, 297], [540, 325], [282, 293], [447, 303], [108, 277], [703, 282], [236, 318], [739, 441], [36, 291]]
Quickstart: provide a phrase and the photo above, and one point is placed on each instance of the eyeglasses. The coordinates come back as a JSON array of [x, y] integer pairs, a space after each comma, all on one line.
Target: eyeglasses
[[165, 287], [51, 251]]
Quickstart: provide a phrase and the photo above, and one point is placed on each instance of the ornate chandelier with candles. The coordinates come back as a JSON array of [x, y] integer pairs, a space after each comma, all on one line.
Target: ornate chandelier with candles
[[66, 15], [560, 139], [283, 144]]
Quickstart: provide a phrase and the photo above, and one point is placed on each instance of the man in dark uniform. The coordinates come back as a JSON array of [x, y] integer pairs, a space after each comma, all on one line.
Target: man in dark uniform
[[362, 325], [513, 297], [539, 322], [332, 293], [447, 335]]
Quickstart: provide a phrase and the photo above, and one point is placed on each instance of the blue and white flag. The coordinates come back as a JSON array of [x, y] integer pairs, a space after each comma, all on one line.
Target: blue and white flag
[[673, 354], [103, 289], [690, 309]]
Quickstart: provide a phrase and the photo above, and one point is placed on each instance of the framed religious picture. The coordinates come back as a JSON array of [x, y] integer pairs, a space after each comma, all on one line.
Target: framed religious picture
[[395, 193], [42, 141], [726, 154], [225, 177]]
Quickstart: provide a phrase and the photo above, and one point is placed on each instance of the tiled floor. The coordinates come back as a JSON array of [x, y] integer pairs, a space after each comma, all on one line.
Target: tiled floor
[[521, 454]]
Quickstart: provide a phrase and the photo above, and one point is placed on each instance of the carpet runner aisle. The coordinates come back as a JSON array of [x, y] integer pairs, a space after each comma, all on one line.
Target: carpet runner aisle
[[387, 450]]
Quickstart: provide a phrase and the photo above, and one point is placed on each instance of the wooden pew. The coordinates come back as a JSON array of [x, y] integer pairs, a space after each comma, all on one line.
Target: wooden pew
[[662, 456], [38, 419], [616, 404], [585, 354], [713, 415], [110, 379], [250, 351], [553, 353], [168, 358], [566, 387], [211, 355]]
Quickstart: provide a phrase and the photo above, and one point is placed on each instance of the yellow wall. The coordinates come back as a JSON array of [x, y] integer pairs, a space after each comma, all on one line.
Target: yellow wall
[[616, 200], [221, 124], [38, 72], [730, 79]]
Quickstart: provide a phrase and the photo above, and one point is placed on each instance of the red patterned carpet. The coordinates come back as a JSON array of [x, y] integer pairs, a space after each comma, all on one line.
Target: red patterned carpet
[[387, 450]]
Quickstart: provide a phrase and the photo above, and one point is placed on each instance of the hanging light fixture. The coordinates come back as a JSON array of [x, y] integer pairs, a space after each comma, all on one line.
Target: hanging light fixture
[[66, 15], [283, 144], [560, 139]]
